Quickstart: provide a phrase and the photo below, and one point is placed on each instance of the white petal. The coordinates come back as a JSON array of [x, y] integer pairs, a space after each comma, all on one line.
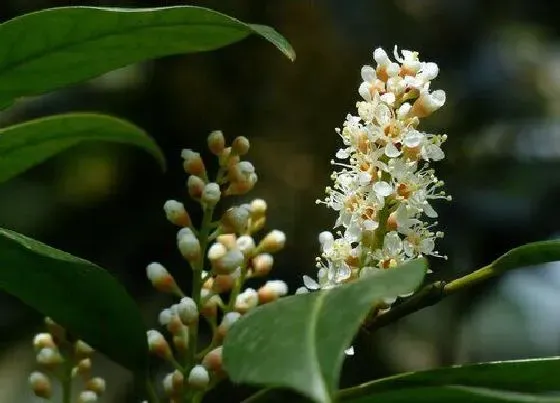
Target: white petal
[[388, 98], [392, 151], [382, 188], [349, 350], [364, 91], [429, 210], [310, 283], [343, 153], [413, 138], [370, 225], [364, 178], [368, 73]]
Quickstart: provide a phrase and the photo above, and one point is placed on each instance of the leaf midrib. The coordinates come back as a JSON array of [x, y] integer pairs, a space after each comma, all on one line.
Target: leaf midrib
[[313, 344]]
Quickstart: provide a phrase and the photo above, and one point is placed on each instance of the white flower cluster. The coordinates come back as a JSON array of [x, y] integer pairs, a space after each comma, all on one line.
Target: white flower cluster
[[384, 188]]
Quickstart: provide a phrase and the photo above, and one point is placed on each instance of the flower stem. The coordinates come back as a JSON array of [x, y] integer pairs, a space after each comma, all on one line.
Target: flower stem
[[152, 395]]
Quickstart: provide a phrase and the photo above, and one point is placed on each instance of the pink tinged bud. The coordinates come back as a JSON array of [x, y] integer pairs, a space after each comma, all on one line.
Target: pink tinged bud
[[222, 283], [161, 279], [40, 384], [83, 367], [168, 385], [262, 264], [43, 340], [210, 307], [169, 318], [187, 311], [228, 240], [242, 186], [216, 251], [177, 380], [49, 357], [228, 263], [246, 300], [189, 246], [211, 194], [228, 321], [240, 145], [87, 396], [82, 349], [96, 385], [272, 242], [181, 341], [198, 377], [272, 290], [213, 360], [193, 163], [195, 186], [246, 245], [235, 219], [158, 345], [176, 214], [216, 142], [258, 208], [428, 103]]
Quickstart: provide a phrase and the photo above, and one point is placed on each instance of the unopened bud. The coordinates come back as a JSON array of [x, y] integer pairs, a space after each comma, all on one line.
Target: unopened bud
[[228, 321], [49, 357], [158, 345], [210, 306], [229, 262], [216, 142], [168, 385], [176, 213], [211, 194], [43, 340], [87, 396], [189, 246], [213, 360], [198, 377], [216, 251], [272, 290], [222, 283], [193, 163], [246, 245], [392, 221], [161, 279], [241, 187], [82, 368], [173, 383], [195, 186], [272, 242], [96, 385], [246, 300], [262, 264], [228, 240], [235, 220], [187, 311], [181, 341], [240, 145], [40, 384], [258, 208], [169, 318], [82, 349]]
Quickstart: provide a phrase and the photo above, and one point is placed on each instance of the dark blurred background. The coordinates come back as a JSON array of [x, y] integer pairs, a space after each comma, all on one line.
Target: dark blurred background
[[500, 67]]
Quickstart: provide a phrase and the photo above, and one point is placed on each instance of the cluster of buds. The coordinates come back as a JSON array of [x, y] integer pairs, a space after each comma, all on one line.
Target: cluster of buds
[[55, 354], [384, 189], [223, 255]]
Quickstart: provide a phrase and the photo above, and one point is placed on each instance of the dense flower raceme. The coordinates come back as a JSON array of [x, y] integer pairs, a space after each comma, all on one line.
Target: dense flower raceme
[[384, 189]]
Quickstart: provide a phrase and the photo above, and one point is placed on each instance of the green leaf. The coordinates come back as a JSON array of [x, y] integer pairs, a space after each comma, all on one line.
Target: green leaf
[[25, 145], [298, 342], [528, 255], [496, 380], [77, 294], [53, 48]]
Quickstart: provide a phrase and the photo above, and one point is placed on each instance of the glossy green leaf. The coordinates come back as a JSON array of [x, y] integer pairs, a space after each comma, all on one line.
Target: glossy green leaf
[[25, 145], [79, 295], [298, 342], [527, 255], [52, 48], [515, 377]]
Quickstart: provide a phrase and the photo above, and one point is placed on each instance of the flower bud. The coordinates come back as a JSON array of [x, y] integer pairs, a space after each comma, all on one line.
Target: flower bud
[[229, 262], [176, 213], [168, 385], [272, 242], [181, 340], [158, 345], [195, 186], [187, 311], [87, 396], [40, 384], [222, 283], [193, 163], [228, 240], [242, 186], [161, 279], [82, 368], [210, 307], [49, 357], [240, 145], [246, 245], [213, 360], [216, 142], [43, 340], [96, 385], [170, 319], [272, 290], [262, 264], [257, 208], [246, 300], [228, 321], [235, 220], [82, 349], [211, 194], [189, 246], [57, 332], [198, 377], [427, 103], [216, 251]]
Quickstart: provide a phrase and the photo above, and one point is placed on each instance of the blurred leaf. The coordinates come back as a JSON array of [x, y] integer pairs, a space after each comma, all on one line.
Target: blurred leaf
[[25, 145], [77, 294], [298, 342], [528, 255], [497, 381], [53, 48]]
